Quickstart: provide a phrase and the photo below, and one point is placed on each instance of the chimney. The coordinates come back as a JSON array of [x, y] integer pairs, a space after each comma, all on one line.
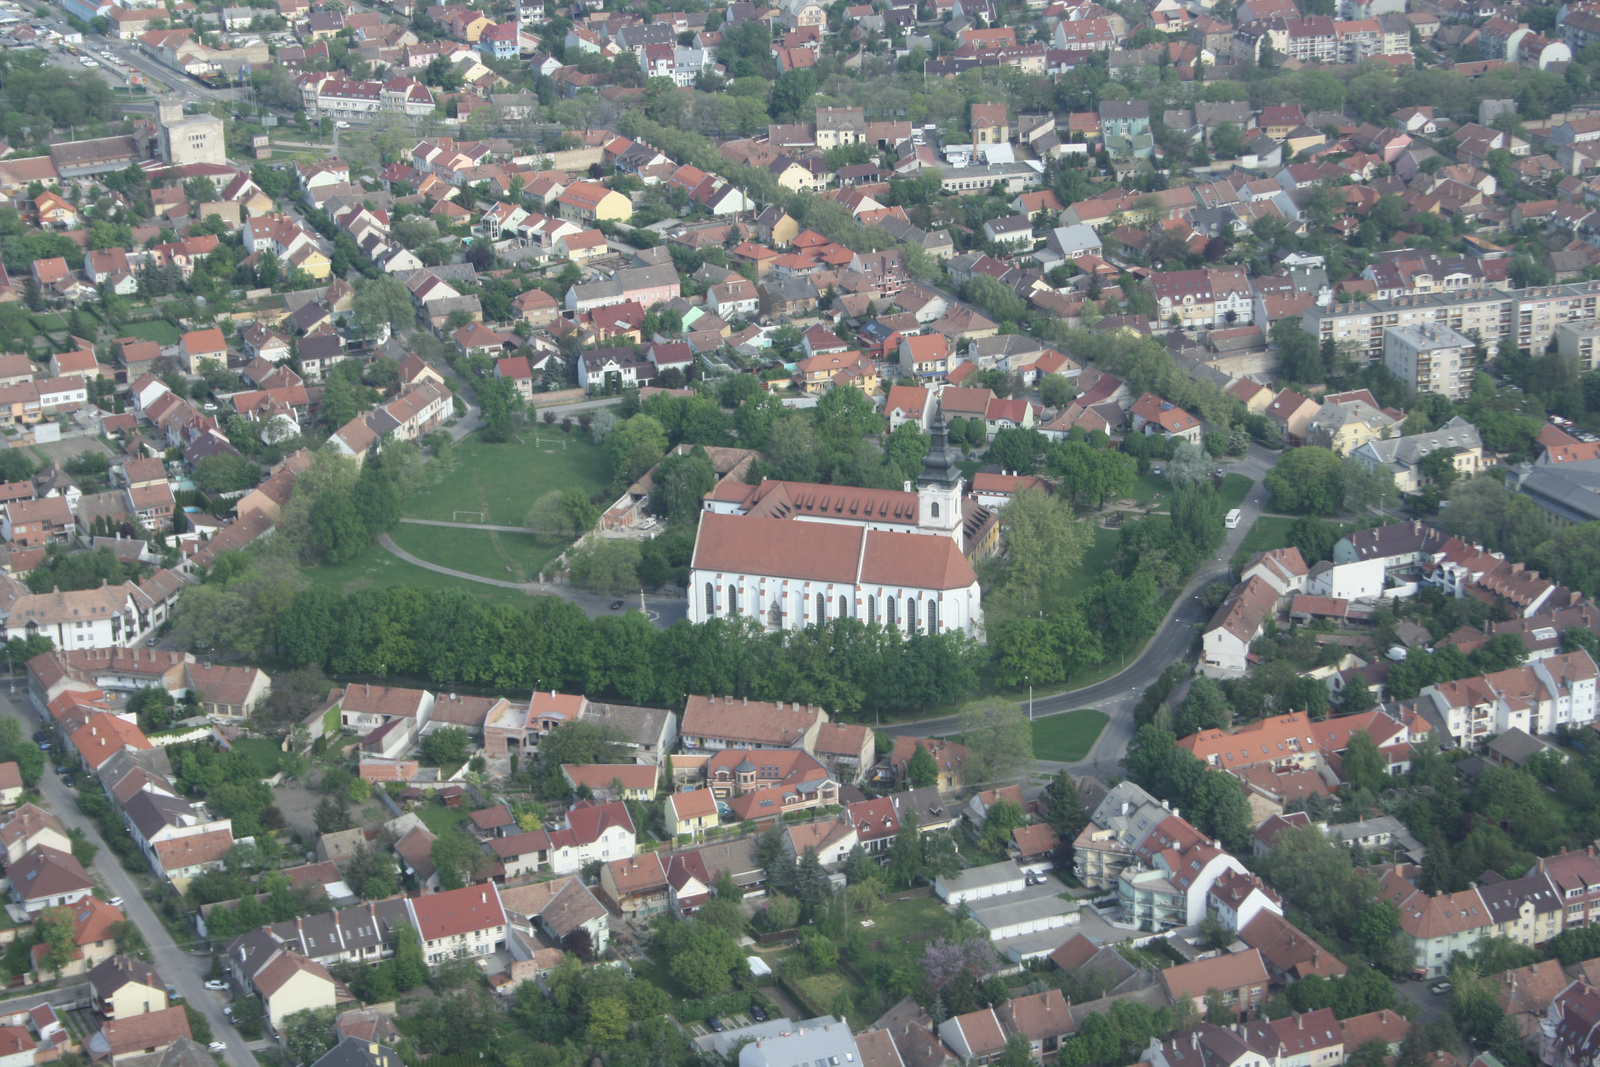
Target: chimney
[[483, 898]]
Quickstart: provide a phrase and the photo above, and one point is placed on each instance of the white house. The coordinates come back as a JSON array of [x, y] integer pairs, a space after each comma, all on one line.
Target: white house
[[1346, 581], [603, 832]]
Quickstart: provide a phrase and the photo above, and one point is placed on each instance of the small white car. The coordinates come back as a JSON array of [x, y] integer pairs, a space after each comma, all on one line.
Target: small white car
[[218, 1046], [341, 125], [115, 902], [221, 987]]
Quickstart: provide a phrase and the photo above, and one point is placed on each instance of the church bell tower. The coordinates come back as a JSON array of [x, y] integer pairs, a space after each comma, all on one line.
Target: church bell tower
[[939, 485]]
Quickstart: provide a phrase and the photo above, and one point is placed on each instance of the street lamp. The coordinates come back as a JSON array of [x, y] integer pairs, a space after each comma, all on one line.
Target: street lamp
[[1025, 678]]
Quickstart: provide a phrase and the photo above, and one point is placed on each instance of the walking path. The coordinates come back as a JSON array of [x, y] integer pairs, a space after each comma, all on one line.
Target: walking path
[[467, 525], [661, 610], [526, 587]]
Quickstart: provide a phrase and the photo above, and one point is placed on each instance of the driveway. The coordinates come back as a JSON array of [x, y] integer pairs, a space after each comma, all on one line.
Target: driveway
[[1117, 695], [182, 969]]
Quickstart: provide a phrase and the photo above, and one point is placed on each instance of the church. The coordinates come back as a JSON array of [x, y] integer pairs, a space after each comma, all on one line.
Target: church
[[792, 554]]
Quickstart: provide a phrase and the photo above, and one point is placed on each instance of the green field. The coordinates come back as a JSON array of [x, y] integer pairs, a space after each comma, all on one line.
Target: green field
[[160, 331], [1235, 487], [1147, 486], [377, 567], [262, 751], [824, 989], [510, 557], [1269, 532], [502, 481], [1067, 738]]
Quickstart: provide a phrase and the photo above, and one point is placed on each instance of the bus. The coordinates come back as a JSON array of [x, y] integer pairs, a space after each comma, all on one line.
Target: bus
[[1232, 521]]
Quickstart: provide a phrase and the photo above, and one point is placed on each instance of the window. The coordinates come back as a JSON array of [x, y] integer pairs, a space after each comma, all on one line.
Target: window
[[822, 609], [711, 600], [933, 617], [890, 616], [844, 608], [935, 511], [733, 600], [872, 608], [911, 616]]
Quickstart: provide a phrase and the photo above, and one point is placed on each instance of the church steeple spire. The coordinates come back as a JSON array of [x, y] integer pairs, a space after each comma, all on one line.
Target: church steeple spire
[[939, 484], [939, 466]]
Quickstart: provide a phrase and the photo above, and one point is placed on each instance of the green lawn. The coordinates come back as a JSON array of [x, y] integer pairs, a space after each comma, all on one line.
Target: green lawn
[[1235, 487], [824, 990], [501, 482], [1096, 561], [511, 557], [891, 922], [1067, 738], [262, 751], [438, 818], [1147, 486], [376, 566], [47, 321], [160, 331], [1269, 532]]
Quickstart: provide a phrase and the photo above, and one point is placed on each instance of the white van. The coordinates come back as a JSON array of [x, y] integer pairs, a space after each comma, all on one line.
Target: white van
[[1232, 521]]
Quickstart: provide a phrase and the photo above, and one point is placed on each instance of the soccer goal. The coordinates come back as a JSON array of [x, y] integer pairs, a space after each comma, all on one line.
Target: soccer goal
[[471, 516]]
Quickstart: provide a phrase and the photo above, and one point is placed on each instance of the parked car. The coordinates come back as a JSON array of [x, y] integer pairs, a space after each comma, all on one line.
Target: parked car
[[1439, 989], [221, 987], [758, 1013], [616, 605], [218, 1046], [715, 1025]]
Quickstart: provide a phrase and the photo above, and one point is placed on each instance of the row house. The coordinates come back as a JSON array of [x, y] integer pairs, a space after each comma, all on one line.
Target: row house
[[1537, 698]]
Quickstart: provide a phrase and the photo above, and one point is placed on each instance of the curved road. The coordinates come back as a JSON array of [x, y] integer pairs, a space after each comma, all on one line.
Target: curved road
[[1117, 695]]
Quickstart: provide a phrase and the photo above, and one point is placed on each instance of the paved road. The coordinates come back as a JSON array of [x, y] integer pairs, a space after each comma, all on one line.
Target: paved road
[[1117, 695], [183, 970]]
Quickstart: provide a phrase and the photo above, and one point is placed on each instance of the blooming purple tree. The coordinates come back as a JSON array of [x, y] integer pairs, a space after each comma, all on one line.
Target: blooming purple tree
[[945, 961]]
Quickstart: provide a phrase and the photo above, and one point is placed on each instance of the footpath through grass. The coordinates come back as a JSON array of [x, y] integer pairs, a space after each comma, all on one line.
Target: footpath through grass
[[1067, 738], [509, 557]]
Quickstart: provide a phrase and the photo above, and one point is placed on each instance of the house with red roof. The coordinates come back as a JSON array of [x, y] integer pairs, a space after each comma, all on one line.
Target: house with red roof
[[468, 920], [1152, 415]]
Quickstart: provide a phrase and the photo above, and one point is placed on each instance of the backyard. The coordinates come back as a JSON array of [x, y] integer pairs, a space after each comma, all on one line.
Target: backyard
[[1269, 532], [160, 331], [263, 752]]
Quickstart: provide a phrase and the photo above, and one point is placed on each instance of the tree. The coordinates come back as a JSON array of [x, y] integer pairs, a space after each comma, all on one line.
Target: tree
[[1017, 1053], [55, 928], [450, 744], [1003, 817], [1358, 695], [1064, 809], [1307, 480], [1045, 542], [337, 532], [457, 858], [1364, 765], [332, 816], [308, 1034], [998, 739], [633, 448], [922, 770], [226, 473], [1056, 391], [1189, 465], [1227, 142], [382, 301]]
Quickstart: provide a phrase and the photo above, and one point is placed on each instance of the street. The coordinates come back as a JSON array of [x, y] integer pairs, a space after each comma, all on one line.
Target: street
[[1117, 695], [183, 970]]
